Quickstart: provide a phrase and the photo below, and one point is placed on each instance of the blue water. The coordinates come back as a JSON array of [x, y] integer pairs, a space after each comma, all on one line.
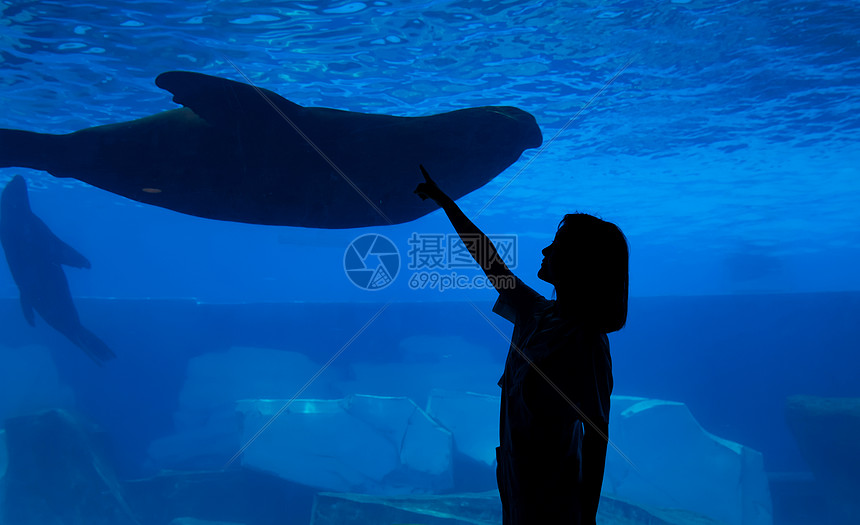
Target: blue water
[[720, 136]]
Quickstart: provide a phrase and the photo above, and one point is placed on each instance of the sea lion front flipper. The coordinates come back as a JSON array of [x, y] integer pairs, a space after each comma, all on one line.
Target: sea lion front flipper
[[71, 257], [222, 102], [27, 308], [57, 250]]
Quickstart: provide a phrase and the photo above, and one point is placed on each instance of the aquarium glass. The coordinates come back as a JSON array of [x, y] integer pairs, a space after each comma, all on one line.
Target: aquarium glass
[[279, 373]]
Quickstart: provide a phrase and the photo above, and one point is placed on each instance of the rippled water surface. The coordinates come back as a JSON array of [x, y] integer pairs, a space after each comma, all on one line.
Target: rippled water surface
[[721, 136]]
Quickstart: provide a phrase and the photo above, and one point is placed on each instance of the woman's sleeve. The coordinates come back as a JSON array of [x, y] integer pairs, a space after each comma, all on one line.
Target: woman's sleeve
[[517, 301]]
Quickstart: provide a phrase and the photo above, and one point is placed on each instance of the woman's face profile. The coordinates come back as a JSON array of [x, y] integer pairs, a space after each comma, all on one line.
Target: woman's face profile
[[545, 272]]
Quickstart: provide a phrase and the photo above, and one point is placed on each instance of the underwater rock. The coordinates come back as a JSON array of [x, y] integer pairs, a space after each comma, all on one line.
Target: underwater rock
[[208, 446], [3, 463], [195, 521], [235, 496], [361, 443], [473, 422], [427, 363], [827, 431], [451, 509], [468, 509], [680, 465], [207, 426], [56, 475], [798, 499], [4, 458], [218, 380], [472, 419]]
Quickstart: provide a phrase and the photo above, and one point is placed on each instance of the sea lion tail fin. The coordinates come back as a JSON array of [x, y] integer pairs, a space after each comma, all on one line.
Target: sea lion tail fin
[[25, 149], [93, 346]]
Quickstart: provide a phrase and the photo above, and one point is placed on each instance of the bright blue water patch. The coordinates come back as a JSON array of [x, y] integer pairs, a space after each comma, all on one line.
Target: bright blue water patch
[[734, 128]]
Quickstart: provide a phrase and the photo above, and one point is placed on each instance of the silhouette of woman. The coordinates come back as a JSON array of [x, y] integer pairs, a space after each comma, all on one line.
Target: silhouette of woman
[[554, 423]]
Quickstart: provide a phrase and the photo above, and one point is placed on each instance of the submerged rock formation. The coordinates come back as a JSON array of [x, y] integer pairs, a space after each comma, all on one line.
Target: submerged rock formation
[[369, 444], [195, 521], [473, 420], [207, 425], [58, 475], [469, 509], [234, 496], [675, 463], [3, 462], [827, 431]]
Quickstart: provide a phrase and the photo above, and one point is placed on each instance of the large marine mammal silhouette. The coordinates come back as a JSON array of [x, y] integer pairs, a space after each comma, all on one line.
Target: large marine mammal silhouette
[[35, 256], [234, 153]]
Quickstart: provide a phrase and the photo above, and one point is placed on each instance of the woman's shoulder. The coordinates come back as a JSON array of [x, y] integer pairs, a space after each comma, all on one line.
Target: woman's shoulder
[[519, 301]]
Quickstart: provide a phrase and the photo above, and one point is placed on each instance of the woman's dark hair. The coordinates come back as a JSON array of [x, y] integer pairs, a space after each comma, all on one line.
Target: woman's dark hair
[[590, 269]]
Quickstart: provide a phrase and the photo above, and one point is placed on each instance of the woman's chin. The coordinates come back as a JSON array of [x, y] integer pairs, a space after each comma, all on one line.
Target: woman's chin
[[543, 275]]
